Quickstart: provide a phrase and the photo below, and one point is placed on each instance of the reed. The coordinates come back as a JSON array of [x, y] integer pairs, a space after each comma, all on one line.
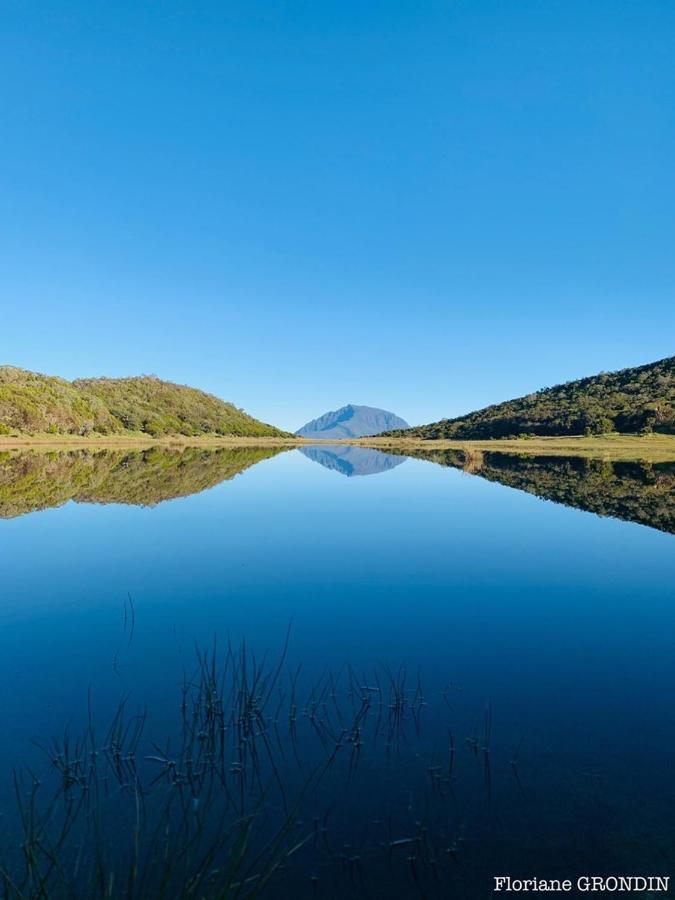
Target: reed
[[260, 781]]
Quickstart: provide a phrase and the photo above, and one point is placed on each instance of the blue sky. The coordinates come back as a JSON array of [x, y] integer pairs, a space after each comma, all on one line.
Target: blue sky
[[419, 205]]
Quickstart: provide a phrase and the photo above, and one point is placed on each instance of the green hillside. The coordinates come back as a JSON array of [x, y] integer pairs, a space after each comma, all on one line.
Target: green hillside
[[32, 403], [641, 399]]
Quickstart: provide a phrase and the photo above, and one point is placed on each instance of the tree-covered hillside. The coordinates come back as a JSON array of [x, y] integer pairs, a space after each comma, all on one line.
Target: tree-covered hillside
[[641, 399], [31, 403]]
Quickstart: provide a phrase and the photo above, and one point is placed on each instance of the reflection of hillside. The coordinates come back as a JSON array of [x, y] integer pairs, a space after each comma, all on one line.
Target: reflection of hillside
[[635, 491], [351, 460], [31, 481]]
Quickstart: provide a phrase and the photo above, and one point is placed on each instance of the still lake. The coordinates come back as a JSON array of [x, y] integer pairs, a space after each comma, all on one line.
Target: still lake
[[536, 641]]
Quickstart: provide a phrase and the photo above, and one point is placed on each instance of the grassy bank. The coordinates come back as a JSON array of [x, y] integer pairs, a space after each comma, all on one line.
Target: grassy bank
[[138, 441], [607, 446]]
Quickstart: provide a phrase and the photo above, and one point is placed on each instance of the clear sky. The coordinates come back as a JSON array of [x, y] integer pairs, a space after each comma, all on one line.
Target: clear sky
[[424, 206]]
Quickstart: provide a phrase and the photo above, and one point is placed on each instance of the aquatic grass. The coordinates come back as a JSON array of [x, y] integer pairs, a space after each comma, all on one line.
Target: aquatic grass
[[179, 805], [513, 762], [264, 778]]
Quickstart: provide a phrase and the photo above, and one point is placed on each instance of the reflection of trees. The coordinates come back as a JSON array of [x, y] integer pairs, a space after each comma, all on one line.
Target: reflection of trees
[[36, 480], [635, 491]]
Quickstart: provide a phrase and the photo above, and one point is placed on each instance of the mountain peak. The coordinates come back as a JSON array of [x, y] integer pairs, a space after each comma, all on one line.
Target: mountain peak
[[351, 421]]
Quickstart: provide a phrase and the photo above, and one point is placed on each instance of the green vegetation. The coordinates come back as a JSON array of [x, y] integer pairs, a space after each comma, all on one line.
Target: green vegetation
[[31, 404], [635, 491], [31, 481], [638, 400]]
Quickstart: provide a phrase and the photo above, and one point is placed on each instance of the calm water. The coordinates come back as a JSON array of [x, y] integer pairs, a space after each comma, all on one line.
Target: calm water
[[551, 624]]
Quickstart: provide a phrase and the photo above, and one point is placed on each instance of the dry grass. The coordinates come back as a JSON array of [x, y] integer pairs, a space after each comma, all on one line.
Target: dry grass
[[655, 447], [140, 441], [609, 446]]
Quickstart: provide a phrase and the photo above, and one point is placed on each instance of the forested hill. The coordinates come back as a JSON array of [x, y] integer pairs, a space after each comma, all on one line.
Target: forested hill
[[31, 403], [641, 399]]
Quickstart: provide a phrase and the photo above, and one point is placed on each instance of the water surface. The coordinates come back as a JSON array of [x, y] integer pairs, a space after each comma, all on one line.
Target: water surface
[[553, 619]]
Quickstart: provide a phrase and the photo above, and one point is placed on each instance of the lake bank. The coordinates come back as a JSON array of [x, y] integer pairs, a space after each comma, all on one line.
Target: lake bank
[[138, 442], [611, 446]]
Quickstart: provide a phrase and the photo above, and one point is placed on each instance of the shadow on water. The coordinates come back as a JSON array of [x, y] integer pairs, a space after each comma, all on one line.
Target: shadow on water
[[637, 491], [31, 481], [352, 460]]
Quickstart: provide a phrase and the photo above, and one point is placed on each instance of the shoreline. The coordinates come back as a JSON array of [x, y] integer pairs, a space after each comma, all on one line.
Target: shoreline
[[614, 446], [654, 447], [68, 442]]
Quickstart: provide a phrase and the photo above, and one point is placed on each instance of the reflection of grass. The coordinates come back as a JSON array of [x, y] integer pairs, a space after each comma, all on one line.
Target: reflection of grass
[[39, 480], [609, 446]]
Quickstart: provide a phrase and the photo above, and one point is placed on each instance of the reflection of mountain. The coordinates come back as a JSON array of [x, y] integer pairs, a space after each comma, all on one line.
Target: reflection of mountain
[[31, 481], [352, 460], [634, 491]]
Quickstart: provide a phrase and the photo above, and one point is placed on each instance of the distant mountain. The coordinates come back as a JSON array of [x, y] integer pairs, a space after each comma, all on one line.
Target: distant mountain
[[640, 399], [31, 403], [351, 461], [351, 421]]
